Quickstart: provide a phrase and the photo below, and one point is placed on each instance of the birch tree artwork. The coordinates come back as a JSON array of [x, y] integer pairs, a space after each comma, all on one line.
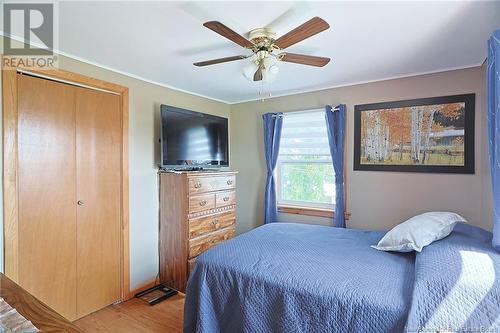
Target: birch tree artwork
[[415, 135]]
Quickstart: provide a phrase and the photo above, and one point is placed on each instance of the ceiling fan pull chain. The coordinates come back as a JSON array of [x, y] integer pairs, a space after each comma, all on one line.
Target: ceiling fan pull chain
[[262, 93]]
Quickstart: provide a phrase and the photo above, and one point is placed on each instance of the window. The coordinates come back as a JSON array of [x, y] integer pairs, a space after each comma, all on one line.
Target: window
[[305, 175]]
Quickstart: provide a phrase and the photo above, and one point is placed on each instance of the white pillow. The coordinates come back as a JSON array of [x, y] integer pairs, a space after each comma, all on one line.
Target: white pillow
[[419, 231]]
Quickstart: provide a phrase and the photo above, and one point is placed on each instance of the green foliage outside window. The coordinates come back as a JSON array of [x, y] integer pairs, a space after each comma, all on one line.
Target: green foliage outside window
[[307, 182]]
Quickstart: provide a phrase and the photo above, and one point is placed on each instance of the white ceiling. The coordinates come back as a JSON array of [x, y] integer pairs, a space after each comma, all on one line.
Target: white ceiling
[[367, 41]]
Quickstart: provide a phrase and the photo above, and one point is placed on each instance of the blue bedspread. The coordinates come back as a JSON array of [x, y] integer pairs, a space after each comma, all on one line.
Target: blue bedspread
[[300, 278], [457, 284]]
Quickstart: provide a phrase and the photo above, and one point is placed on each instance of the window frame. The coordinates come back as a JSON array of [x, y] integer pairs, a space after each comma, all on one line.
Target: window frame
[[306, 207]]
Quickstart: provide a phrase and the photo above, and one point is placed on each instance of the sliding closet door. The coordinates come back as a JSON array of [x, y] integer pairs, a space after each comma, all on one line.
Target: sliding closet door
[[47, 192], [98, 151]]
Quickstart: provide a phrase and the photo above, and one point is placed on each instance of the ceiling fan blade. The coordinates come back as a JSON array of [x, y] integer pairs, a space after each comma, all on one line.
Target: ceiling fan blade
[[305, 59], [304, 31], [258, 75], [220, 60], [224, 31]]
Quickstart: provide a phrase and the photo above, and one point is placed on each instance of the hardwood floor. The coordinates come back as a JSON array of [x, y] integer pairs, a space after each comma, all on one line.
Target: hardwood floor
[[137, 316]]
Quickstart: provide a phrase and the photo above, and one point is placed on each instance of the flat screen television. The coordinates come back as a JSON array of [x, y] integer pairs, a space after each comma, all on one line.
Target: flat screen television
[[193, 139]]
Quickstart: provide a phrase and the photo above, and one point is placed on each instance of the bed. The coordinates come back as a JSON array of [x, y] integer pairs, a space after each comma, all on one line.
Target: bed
[[286, 277]]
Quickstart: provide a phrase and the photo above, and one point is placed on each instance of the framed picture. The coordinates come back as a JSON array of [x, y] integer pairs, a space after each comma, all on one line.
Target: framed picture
[[420, 135]]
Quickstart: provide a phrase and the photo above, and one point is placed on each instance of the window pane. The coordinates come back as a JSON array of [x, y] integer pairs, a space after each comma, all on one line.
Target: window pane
[[307, 182], [304, 134]]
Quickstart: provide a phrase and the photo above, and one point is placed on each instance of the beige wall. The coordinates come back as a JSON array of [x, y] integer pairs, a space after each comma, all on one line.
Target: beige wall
[[145, 100], [377, 200]]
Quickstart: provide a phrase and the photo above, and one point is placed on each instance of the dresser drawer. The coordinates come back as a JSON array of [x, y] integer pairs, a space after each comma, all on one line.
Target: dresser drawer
[[203, 225], [203, 243], [207, 184], [226, 182], [225, 198], [202, 202], [201, 185]]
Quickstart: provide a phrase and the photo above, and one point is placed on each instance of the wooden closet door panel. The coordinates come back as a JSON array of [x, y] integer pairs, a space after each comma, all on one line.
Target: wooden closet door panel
[[47, 192], [99, 146]]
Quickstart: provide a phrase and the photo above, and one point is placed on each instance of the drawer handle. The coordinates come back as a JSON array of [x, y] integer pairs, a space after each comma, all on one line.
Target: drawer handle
[[197, 185], [203, 202], [229, 182], [215, 222], [225, 198]]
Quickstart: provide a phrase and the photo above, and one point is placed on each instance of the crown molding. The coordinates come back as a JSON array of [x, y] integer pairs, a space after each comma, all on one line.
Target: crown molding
[[305, 91], [125, 73]]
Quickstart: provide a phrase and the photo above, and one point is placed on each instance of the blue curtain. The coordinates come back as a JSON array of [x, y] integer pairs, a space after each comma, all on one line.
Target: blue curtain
[[273, 122], [335, 125], [493, 95]]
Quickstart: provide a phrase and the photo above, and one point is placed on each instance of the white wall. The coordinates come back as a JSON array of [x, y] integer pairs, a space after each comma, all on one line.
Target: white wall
[[377, 200], [144, 102]]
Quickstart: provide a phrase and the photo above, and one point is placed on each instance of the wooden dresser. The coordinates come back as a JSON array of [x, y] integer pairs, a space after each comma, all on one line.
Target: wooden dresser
[[197, 211]]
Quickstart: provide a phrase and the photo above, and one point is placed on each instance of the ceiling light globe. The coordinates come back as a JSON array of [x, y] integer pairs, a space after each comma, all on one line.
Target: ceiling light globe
[[249, 70], [271, 73]]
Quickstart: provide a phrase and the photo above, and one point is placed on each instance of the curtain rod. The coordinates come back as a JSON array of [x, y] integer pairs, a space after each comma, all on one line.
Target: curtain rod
[[335, 109]]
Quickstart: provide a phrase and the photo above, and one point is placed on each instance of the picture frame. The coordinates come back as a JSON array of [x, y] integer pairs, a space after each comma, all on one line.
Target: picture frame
[[432, 135]]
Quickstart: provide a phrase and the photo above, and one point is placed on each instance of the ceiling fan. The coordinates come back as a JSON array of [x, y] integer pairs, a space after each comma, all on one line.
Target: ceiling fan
[[267, 50]]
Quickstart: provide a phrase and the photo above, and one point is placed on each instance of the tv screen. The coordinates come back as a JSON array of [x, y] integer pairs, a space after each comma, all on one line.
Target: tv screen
[[190, 138]]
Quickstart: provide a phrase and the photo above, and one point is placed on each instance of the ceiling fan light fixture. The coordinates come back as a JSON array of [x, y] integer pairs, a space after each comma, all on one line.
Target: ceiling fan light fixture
[[262, 55], [271, 69], [249, 69], [271, 73]]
